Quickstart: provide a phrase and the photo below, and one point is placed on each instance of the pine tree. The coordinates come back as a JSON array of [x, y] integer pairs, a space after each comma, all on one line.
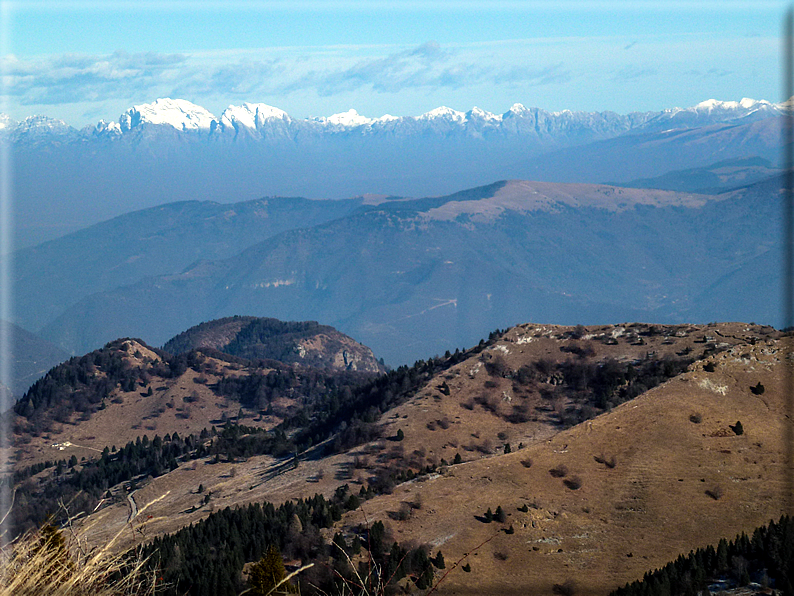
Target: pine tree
[[439, 561], [268, 572]]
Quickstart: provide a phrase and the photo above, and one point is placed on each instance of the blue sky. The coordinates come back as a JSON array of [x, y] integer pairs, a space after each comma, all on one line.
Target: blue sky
[[85, 61]]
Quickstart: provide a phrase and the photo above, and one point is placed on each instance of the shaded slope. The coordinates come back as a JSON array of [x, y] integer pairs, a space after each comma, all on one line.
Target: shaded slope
[[31, 357], [52, 276], [307, 343], [411, 278]]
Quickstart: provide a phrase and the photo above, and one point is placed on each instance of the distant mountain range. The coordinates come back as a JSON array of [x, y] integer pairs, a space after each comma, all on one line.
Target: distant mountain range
[[258, 121], [412, 277], [172, 150]]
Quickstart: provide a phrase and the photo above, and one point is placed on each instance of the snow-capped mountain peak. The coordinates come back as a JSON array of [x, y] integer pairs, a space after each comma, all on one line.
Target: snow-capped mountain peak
[[445, 113], [349, 118], [251, 115], [478, 113], [179, 113], [746, 103]]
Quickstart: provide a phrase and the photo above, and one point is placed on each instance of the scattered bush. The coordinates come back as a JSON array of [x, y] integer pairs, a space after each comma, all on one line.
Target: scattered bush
[[609, 462], [696, 418], [527, 463], [715, 493], [565, 589], [559, 471], [574, 482]]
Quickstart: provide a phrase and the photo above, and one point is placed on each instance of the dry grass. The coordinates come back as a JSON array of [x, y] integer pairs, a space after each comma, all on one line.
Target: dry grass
[[45, 563]]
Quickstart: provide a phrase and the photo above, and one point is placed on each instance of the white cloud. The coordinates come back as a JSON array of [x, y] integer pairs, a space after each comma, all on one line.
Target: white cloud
[[577, 73]]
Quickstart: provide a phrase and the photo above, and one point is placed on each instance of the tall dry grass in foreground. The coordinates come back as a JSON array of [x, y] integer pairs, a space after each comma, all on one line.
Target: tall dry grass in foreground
[[53, 562]]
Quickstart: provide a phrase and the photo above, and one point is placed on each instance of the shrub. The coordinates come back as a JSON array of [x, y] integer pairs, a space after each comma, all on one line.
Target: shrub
[[737, 428], [559, 471], [609, 462], [400, 434], [499, 555], [466, 568], [565, 589], [715, 492], [500, 515], [758, 389], [696, 418], [574, 482], [527, 463]]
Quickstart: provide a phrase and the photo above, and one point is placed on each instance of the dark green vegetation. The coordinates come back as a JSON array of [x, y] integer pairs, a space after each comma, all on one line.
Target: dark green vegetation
[[255, 338], [75, 386], [252, 337], [81, 485], [766, 557], [207, 558], [341, 405], [333, 411]]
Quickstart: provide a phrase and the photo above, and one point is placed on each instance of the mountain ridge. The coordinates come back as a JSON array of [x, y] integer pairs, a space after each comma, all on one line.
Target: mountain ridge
[[388, 271], [185, 116]]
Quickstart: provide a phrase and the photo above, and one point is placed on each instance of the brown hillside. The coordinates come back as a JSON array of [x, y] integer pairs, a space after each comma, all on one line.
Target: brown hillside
[[185, 404], [676, 484], [652, 478], [490, 404]]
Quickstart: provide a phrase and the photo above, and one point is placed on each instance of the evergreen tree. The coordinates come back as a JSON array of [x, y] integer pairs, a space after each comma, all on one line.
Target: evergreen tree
[[439, 561], [266, 574]]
